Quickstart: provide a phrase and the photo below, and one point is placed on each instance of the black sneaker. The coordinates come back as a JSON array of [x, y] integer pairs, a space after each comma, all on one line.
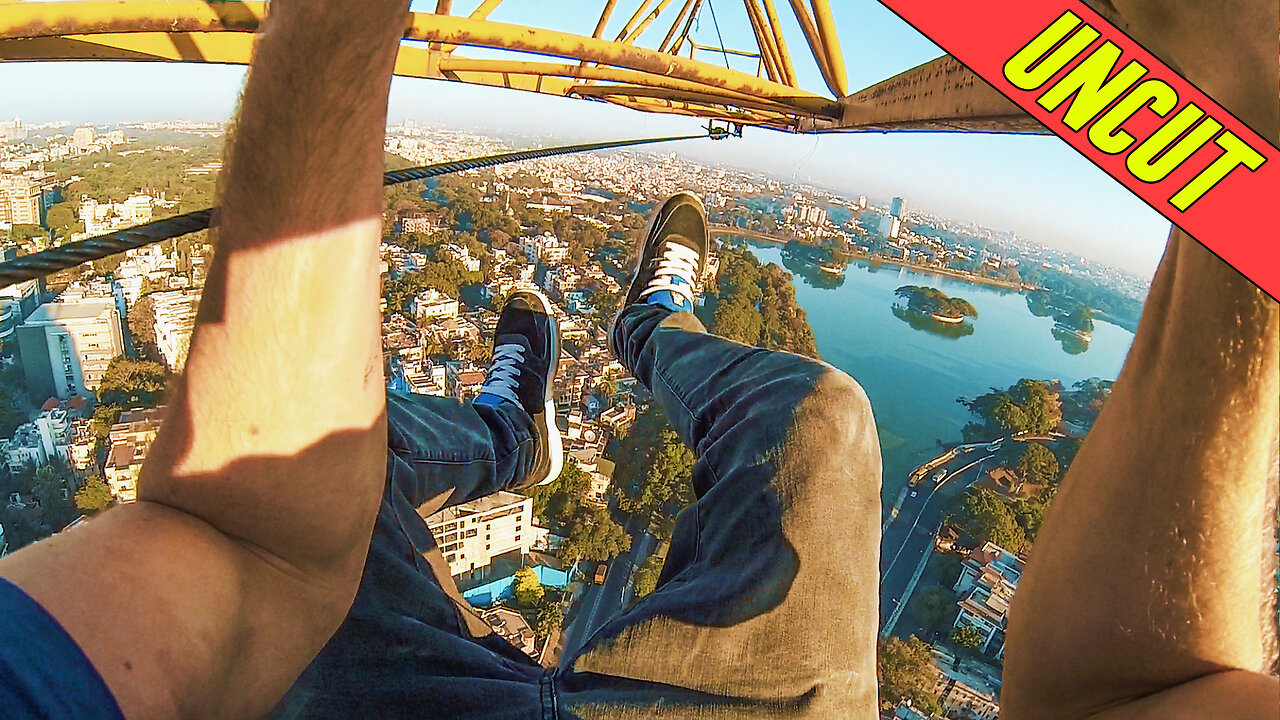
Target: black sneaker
[[526, 355], [674, 255]]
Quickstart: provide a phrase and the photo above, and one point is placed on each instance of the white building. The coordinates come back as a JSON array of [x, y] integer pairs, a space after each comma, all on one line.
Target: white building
[[432, 304], [67, 346], [82, 137], [547, 249], [988, 579], [473, 533], [175, 312]]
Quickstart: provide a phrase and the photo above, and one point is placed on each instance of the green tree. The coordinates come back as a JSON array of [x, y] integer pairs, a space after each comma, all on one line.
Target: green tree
[[645, 579], [527, 588], [593, 535], [14, 408], [549, 618], [60, 218], [966, 637], [556, 502], [1038, 464], [130, 382], [104, 416], [142, 327], [986, 518], [53, 486], [905, 671], [94, 496]]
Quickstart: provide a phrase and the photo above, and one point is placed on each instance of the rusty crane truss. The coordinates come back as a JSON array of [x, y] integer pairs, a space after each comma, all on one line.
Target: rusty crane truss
[[677, 75]]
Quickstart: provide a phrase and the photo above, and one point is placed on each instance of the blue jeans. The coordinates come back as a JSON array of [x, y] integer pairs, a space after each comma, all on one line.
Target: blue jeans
[[767, 603]]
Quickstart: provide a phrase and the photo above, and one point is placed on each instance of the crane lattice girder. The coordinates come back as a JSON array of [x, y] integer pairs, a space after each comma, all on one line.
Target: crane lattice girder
[[939, 95]]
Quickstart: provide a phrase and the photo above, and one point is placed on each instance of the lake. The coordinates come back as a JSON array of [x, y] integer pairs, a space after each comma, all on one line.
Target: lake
[[914, 376]]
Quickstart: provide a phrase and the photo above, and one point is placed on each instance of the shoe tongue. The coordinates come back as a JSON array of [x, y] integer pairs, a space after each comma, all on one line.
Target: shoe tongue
[[522, 327]]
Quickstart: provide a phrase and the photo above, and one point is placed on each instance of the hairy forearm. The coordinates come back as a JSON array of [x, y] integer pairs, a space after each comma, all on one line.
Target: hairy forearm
[[275, 434], [1151, 568]]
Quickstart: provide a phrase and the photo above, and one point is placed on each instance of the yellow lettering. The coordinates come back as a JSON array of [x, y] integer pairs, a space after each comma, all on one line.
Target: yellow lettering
[[1019, 69], [1092, 85], [1106, 135], [1170, 145], [1235, 153]]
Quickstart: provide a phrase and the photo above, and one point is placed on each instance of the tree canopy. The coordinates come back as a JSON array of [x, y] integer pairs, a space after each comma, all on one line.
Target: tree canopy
[[527, 588], [927, 300], [905, 671], [593, 535], [1029, 406], [94, 496], [645, 579], [966, 637], [1038, 464], [757, 305], [986, 518], [129, 383]]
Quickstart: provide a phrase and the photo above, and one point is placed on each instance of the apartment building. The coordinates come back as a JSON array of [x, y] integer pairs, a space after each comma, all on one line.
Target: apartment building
[[130, 438], [988, 579], [472, 534], [20, 200], [175, 313], [67, 346], [431, 304]]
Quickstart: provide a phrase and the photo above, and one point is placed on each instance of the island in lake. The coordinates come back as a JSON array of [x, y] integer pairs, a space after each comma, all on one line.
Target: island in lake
[[931, 309]]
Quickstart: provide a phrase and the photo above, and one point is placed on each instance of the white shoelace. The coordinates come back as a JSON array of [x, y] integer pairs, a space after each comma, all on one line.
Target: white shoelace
[[676, 262], [504, 372]]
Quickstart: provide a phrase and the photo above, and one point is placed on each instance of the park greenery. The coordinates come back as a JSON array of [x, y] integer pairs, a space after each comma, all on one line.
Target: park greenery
[[931, 301], [132, 383], [756, 304], [1012, 519], [1029, 406], [653, 475], [905, 672], [589, 532]]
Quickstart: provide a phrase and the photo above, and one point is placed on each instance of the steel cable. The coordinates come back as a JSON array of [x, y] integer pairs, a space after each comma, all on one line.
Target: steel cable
[[95, 248]]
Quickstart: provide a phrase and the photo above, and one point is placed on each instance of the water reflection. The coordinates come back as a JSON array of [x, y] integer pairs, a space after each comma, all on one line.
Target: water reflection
[[926, 323]]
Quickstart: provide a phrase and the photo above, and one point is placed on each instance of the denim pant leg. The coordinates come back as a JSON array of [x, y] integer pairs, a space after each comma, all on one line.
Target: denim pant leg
[[411, 647], [767, 604]]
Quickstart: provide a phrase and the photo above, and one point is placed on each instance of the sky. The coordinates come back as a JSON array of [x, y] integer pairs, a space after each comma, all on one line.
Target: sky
[[1036, 186]]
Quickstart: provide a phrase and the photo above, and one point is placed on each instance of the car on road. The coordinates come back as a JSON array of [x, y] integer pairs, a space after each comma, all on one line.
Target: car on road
[[600, 573]]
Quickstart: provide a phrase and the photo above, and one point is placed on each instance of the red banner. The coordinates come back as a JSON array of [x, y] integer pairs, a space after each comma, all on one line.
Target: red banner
[[1116, 103]]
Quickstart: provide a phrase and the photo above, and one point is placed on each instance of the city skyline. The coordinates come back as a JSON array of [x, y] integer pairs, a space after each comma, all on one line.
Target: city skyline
[[1035, 186]]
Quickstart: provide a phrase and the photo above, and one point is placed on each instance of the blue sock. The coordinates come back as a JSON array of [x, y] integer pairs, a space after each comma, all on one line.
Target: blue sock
[[488, 400], [664, 298]]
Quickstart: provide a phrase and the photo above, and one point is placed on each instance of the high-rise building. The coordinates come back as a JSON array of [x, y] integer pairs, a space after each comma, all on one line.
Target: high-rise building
[[66, 347], [12, 131], [897, 207], [175, 313], [473, 533], [20, 200], [862, 202], [82, 137]]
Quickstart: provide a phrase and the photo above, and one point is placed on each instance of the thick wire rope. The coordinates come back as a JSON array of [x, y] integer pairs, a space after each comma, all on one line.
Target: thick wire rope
[[95, 248]]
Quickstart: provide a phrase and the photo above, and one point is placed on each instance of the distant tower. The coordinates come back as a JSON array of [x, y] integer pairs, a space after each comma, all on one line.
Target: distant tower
[[862, 202], [896, 207]]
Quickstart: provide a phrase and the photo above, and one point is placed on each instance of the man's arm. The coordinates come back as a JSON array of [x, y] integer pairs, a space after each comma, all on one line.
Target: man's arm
[[1149, 593], [211, 594]]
